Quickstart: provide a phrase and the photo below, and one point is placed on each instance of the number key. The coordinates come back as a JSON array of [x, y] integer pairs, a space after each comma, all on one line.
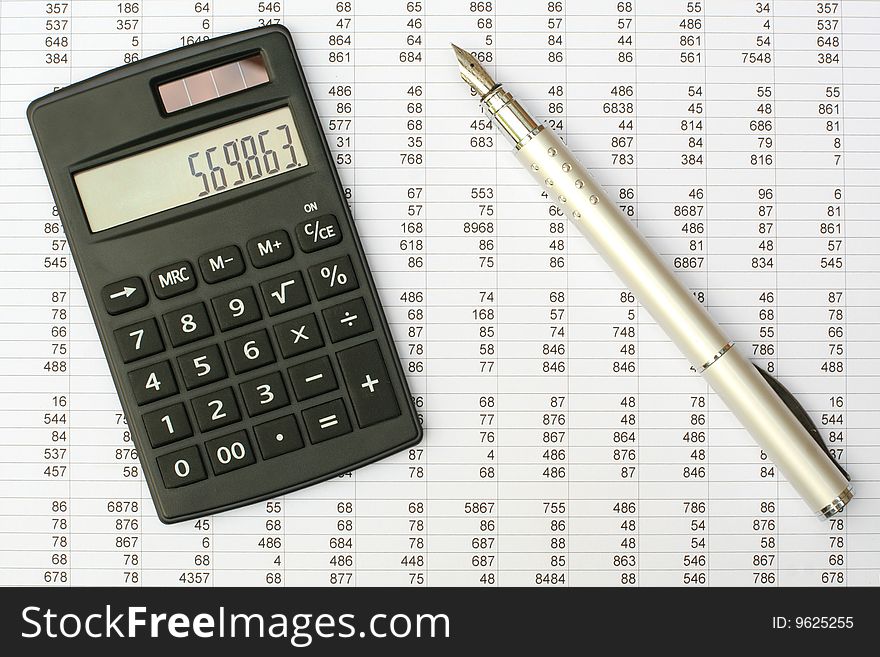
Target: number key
[[182, 467], [167, 425], [236, 309], [139, 340], [264, 394], [230, 452], [216, 410], [188, 324], [250, 351], [153, 383], [201, 367]]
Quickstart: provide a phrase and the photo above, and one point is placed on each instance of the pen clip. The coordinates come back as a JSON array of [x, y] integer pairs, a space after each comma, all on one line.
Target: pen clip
[[795, 407]]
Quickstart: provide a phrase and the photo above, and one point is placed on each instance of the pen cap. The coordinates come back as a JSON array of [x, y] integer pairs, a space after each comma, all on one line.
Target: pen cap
[[779, 433]]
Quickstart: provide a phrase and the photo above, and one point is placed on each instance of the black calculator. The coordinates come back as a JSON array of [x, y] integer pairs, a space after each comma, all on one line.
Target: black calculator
[[224, 273]]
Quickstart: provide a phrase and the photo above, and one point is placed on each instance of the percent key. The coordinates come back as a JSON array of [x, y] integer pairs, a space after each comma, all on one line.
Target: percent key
[[333, 277]]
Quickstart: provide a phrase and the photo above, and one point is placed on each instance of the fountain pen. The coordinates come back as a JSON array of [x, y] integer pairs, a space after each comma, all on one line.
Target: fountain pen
[[764, 407]]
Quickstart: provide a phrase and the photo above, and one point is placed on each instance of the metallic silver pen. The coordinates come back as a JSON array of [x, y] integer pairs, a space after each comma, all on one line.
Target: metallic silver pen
[[767, 411]]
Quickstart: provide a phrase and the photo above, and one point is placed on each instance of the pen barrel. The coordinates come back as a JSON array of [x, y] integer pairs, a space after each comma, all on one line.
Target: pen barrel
[[687, 323], [623, 247]]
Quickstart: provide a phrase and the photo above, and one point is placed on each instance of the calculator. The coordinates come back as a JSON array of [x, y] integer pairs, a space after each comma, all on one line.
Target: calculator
[[224, 273]]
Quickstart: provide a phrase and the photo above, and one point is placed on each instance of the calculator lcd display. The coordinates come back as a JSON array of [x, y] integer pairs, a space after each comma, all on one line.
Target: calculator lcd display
[[184, 171]]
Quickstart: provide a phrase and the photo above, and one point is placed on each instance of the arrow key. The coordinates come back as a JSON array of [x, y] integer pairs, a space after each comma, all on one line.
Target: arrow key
[[124, 295]]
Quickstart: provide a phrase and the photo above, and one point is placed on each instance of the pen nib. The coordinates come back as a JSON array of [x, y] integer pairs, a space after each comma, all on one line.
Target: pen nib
[[473, 73]]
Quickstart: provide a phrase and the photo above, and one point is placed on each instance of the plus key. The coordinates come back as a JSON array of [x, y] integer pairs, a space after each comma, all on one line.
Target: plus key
[[366, 378]]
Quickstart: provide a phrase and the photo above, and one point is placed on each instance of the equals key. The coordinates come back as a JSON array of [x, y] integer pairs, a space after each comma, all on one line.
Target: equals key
[[327, 421]]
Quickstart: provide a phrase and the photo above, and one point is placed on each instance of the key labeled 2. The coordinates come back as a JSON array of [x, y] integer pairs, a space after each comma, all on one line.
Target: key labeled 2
[[215, 410]]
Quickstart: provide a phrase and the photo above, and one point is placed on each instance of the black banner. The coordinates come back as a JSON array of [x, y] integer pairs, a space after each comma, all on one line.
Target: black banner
[[431, 621]]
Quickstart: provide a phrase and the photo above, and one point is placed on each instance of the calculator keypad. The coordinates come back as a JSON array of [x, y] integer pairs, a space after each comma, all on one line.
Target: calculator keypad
[[260, 366]]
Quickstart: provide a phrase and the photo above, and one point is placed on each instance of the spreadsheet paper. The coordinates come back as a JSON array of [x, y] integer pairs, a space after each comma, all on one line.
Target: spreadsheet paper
[[567, 443]]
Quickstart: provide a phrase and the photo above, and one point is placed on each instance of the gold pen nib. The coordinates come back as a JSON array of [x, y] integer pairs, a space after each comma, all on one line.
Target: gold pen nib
[[473, 73]]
